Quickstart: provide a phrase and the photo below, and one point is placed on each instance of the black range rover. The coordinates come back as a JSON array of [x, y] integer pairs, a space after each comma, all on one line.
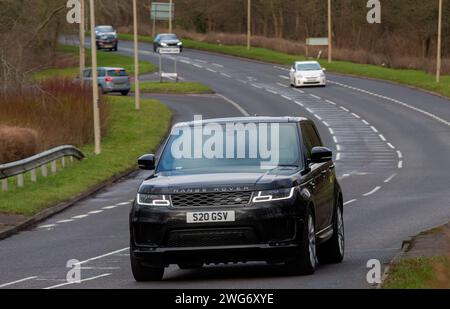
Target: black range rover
[[233, 202]]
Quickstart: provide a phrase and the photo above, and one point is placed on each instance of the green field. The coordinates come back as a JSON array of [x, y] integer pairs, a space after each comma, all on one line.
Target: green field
[[104, 58], [173, 88], [413, 78], [131, 133]]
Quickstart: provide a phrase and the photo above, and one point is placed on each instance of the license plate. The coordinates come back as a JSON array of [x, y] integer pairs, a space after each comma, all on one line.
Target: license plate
[[211, 216]]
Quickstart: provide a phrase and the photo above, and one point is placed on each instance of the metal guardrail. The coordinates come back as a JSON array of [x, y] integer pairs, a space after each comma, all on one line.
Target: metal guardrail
[[19, 168]]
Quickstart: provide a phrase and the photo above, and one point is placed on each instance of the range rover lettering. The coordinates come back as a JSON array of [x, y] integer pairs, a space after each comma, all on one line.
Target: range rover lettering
[[238, 190]]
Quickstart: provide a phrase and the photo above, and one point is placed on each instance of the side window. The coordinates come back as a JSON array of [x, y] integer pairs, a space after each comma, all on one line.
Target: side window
[[310, 137], [101, 73]]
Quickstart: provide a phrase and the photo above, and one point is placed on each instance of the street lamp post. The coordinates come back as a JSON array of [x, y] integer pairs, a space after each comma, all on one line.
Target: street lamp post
[[439, 44], [137, 95], [170, 16], [330, 37], [97, 133], [82, 38], [249, 23]]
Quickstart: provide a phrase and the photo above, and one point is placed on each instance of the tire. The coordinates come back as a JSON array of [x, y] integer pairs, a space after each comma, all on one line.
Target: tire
[[190, 266], [116, 48], [306, 262], [125, 93], [333, 250], [142, 273]]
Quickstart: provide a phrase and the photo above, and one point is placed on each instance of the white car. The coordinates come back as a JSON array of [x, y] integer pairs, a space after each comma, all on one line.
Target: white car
[[307, 73]]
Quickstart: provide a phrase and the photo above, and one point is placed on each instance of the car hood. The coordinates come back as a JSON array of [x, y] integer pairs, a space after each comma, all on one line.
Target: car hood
[[220, 182], [315, 73], [170, 41]]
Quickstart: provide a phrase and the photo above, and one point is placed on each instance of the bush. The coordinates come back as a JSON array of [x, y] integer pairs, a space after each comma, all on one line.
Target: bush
[[58, 111], [17, 143]]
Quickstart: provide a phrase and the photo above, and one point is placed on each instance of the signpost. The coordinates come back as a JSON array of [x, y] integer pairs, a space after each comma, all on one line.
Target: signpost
[[316, 42], [168, 51], [162, 11]]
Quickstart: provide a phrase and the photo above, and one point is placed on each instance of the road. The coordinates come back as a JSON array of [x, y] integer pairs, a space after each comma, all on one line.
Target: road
[[392, 150]]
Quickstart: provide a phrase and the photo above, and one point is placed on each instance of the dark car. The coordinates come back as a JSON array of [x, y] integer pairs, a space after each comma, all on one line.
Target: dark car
[[167, 40], [201, 210], [106, 38]]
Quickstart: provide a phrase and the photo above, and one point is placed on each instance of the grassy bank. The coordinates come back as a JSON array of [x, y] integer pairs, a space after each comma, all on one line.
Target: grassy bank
[[173, 88], [104, 58], [414, 78], [419, 273], [130, 135]]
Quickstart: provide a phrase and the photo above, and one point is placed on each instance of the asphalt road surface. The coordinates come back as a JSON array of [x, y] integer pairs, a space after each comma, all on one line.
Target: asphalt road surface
[[392, 149]]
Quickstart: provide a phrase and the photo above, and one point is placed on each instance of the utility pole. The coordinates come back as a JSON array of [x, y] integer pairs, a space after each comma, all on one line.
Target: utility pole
[[82, 38], [97, 133], [330, 37], [170, 16], [439, 44], [249, 23], [137, 95]]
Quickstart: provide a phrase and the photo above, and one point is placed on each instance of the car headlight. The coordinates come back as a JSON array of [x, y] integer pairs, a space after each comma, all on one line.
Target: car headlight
[[274, 195], [153, 200], [180, 43], [163, 44]]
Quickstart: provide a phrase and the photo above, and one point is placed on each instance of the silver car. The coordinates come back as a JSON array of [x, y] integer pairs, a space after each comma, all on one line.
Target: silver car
[[110, 79]]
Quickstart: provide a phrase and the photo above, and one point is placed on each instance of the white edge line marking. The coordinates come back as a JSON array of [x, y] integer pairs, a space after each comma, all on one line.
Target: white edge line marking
[[331, 102], [65, 221], [338, 156], [237, 106], [356, 116], [315, 96], [390, 145], [310, 110], [103, 256], [271, 91], [382, 137], [80, 217], [400, 164], [372, 192], [299, 103], [256, 86], [335, 139], [109, 207], [282, 85], [331, 131], [338, 147], [344, 109], [17, 281], [94, 212], [349, 202], [365, 122], [318, 117], [298, 90], [390, 178], [326, 123], [374, 129], [399, 154], [226, 75], [286, 97], [47, 226], [283, 77], [81, 281]]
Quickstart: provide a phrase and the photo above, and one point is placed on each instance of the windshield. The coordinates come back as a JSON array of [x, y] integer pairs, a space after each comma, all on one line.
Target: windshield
[[231, 147], [167, 37], [114, 73], [308, 67], [105, 29]]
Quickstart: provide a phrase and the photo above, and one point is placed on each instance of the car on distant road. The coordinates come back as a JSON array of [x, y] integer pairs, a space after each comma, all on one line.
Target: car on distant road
[[110, 79], [167, 40], [307, 73], [106, 37], [199, 210]]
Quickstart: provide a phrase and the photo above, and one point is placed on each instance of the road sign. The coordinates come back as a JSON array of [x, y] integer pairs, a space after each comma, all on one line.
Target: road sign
[[317, 41], [162, 11], [169, 75], [169, 50]]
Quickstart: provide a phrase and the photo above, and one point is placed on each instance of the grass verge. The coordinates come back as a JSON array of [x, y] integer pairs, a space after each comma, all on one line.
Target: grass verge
[[173, 88], [130, 134], [104, 58], [413, 78], [419, 273]]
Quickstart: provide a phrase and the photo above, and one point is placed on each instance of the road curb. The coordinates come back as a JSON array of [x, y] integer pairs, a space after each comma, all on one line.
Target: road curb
[[51, 211], [406, 246]]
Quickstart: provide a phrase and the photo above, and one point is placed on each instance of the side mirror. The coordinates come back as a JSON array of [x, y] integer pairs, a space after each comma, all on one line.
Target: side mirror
[[321, 155], [147, 162]]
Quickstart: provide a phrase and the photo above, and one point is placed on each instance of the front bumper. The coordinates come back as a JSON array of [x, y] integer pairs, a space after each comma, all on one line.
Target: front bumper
[[261, 232], [304, 81]]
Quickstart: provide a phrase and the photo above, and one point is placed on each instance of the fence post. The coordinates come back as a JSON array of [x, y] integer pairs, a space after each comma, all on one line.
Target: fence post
[[44, 170], [63, 162], [20, 181], [53, 166], [33, 175], [5, 184]]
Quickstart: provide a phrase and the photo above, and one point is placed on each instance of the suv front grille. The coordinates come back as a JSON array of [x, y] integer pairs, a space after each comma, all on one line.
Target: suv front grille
[[211, 199]]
